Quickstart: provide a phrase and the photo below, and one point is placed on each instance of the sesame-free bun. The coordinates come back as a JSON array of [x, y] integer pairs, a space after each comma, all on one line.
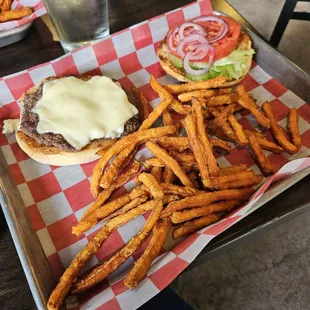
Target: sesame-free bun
[[244, 43]]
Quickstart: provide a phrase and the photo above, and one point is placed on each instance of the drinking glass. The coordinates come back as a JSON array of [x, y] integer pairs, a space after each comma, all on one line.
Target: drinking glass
[[78, 22]]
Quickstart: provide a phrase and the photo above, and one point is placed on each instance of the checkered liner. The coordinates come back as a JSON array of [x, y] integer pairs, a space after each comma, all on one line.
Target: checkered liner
[[38, 7], [56, 197]]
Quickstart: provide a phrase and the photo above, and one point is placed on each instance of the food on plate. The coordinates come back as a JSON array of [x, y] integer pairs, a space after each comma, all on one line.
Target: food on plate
[[6, 16], [205, 48], [277, 131], [293, 128], [64, 121], [182, 184], [6, 5]]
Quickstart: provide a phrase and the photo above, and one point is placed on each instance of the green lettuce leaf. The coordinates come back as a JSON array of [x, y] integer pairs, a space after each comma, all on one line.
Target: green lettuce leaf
[[231, 67]]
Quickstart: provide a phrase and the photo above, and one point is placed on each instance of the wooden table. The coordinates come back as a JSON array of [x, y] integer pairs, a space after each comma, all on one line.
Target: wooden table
[[38, 47]]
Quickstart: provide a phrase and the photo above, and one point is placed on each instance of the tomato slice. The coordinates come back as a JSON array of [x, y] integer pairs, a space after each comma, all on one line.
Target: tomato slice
[[222, 47]]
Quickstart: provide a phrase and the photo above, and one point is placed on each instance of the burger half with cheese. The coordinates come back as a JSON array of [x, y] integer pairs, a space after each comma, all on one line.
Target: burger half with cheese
[[206, 47], [65, 121]]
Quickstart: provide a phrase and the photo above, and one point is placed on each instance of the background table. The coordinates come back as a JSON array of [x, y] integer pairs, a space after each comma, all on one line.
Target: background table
[[39, 47]]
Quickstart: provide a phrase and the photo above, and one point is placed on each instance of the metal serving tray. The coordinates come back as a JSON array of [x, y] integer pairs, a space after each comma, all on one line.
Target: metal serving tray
[[32, 257]]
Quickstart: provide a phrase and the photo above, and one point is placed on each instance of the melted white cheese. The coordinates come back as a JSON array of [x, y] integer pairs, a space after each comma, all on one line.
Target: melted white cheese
[[82, 111]]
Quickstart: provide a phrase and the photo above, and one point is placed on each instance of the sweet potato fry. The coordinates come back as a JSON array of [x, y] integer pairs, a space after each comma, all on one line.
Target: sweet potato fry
[[138, 192], [153, 162], [262, 160], [107, 143], [256, 133], [105, 194], [182, 191], [221, 144], [114, 167], [70, 274], [206, 146], [15, 14], [184, 157], [196, 146], [167, 119], [168, 175], [165, 95], [238, 129], [176, 89], [215, 183], [205, 93], [207, 198], [169, 162], [194, 225], [240, 183], [233, 169], [134, 138], [222, 117], [157, 172], [173, 143], [6, 5], [158, 239], [293, 128], [150, 182], [217, 207], [246, 102], [222, 100], [277, 131], [143, 103], [1, 1], [100, 272]]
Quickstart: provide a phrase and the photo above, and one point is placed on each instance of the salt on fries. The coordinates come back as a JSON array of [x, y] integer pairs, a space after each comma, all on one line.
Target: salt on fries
[[183, 184]]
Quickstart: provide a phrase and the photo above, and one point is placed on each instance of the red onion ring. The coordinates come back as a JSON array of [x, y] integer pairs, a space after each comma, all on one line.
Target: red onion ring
[[197, 27], [171, 38], [193, 39]]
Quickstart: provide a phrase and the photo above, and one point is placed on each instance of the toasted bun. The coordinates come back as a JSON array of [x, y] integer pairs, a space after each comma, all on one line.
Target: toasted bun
[[162, 52], [54, 156]]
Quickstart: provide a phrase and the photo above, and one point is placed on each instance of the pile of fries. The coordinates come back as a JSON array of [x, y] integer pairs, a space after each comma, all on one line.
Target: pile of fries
[[182, 184], [7, 14]]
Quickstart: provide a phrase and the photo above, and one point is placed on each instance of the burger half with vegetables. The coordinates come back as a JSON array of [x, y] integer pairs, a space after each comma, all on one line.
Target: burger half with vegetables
[[206, 47]]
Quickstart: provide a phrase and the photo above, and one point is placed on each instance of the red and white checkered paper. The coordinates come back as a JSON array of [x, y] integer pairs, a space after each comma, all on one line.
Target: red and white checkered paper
[[38, 8], [56, 197]]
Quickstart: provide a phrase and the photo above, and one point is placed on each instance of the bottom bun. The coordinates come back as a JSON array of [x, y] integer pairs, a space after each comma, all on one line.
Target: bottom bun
[[55, 156], [168, 66]]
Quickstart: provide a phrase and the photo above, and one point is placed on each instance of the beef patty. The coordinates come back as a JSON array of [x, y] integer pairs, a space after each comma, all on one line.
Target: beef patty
[[29, 120]]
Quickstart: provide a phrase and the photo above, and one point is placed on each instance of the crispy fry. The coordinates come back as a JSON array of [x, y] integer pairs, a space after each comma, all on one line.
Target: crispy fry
[[215, 183], [143, 103], [193, 176], [245, 101], [1, 1], [153, 162], [138, 192], [106, 143], [114, 167], [233, 169], [70, 274], [167, 118], [277, 131], [105, 194], [240, 183], [133, 138], [169, 162], [158, 239], [222, 99], [184, 157], [150, 182], [262, 160], [183, 191], [168, 175], [293, 128], [185, 97], [256, 133], [176, 89], [6, 5], [169, 198], [173, 143], [132, 204], [206, 146], [238, 129], [128, 160], [15, 14], [207, 198], [194, 225], [157, 172], [217, 207], [222, 117], [221, 144], [196, 146], [165, 95], [100, 272]]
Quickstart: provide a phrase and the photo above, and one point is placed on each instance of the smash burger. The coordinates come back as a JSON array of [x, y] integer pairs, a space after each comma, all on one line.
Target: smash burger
[[206, 47], [66, 121]]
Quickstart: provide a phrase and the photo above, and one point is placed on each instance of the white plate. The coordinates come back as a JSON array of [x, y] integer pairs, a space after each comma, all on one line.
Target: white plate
[[11, 36]]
